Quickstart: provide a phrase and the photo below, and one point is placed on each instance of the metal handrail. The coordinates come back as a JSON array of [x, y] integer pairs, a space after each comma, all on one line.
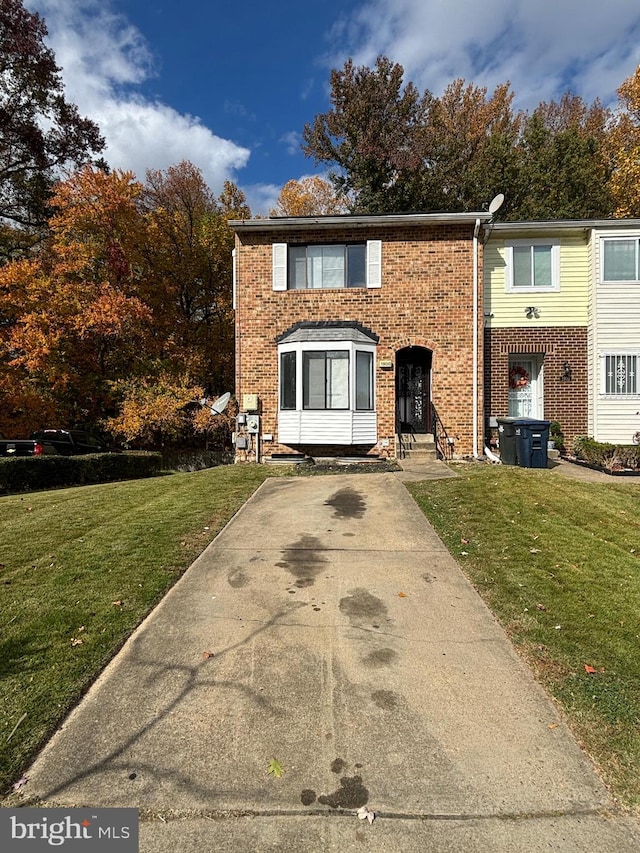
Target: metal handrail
[[444, 444]]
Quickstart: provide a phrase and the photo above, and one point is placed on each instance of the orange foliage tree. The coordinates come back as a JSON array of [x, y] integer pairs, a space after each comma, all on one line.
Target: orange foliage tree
[[312, 196], [131, 292], [624, 147]]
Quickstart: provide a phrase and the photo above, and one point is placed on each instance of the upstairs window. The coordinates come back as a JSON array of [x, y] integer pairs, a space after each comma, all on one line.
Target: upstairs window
[[620, 259], [324, 266], [532, 265]]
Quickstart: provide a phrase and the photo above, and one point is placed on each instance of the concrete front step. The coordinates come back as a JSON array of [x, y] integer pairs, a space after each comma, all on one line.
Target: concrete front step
[[418, 446]]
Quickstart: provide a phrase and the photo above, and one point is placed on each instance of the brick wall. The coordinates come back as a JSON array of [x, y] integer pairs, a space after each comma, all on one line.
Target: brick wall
[[426, 300], [566, 402]]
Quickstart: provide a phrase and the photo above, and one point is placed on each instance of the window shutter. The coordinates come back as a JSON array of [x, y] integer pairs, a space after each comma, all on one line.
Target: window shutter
[[374, 263], [279, 266]]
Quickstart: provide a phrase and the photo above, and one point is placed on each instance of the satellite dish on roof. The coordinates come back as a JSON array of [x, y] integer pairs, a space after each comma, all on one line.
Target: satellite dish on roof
[[496, 203], [218, 406]]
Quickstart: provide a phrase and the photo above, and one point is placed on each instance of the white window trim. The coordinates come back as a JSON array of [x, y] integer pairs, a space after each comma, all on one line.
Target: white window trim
[[555, 266], [603, 375], [373, 266], [318, 346], [611, 238]]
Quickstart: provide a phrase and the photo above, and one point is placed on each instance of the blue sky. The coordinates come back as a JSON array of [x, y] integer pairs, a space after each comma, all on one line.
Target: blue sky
[[231, 86]]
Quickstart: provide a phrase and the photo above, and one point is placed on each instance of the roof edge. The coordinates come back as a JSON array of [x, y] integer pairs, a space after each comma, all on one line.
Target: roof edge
[[565, 224], [357, 221]]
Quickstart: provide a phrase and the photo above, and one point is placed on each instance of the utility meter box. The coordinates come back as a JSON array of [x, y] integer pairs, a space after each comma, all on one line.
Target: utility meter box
[[253, 424], [250, 402]]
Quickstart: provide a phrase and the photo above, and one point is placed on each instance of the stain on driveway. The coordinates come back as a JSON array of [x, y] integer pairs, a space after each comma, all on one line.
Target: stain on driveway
[[347, 503]]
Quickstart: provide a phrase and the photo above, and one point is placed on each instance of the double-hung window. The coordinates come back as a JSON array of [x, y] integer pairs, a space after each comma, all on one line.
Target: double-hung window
[[327, 266], [620, 374], [313, 267], [532, 265], [620, 259]]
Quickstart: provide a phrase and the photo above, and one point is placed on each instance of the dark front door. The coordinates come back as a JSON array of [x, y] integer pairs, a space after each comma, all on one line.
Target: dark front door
[[413, 389]]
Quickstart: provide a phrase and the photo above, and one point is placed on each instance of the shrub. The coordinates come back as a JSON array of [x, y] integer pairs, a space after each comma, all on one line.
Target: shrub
[[606, 455], [30, 473], [557, 436]]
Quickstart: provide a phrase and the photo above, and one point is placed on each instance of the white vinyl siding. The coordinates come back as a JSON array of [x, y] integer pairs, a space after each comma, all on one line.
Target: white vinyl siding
[[615, 336]]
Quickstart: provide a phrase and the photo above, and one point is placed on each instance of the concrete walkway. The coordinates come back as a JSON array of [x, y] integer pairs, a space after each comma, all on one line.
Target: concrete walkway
[[327, 627]]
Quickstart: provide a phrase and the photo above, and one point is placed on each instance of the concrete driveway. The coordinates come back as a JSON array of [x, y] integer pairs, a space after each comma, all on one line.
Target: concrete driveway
[[328, 628]]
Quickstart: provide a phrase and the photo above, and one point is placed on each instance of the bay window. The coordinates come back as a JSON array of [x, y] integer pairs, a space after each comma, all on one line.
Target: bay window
[[326, 384]]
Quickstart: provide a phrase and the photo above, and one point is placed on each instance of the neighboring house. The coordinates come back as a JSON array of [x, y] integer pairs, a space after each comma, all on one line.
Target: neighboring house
[[350, 329], [562, 325]]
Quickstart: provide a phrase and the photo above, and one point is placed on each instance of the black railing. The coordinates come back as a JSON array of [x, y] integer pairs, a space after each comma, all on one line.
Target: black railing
[[444, 443]]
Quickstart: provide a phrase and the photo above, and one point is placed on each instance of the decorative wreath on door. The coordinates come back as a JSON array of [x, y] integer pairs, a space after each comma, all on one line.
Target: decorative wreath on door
[[518, 377]]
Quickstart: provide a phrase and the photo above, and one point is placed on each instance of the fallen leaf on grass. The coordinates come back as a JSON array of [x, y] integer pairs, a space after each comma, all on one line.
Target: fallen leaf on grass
[[76, 641], [535, 551], [20, 783], [366, 814], [275, 768], [540, 607], [590, 669], [118, 603]]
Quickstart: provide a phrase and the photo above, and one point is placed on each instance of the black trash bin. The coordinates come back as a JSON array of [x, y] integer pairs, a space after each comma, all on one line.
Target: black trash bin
[[507, 440], [531, 437]]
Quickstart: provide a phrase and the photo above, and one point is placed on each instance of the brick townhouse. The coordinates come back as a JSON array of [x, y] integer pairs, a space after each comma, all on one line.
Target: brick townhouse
[[351, 330]]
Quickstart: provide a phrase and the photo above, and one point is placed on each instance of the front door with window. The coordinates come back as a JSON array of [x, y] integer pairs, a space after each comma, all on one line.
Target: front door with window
[[413, 389], [525, 387]]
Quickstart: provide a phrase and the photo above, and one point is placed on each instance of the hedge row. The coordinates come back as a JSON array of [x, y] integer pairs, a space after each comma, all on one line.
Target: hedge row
[[608, 456], [30, 473]]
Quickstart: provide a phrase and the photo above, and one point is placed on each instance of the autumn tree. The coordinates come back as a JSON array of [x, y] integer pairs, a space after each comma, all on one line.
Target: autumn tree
[[40, 131], [372, 137], [189, 255], [74, 319], [312, 196], [469, 148], [624, 149]]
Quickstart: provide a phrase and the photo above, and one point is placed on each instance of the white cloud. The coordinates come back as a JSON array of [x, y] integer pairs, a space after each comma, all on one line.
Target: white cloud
[[543, 48], [104, 59]]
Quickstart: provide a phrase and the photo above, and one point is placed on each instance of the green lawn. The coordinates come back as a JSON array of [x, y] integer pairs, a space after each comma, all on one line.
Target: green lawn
[[79, 569], [558, 562]]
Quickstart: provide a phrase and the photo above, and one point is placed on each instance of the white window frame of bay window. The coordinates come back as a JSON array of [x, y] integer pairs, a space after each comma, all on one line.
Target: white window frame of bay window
[[511, 286], [350, 347], [373, 264]]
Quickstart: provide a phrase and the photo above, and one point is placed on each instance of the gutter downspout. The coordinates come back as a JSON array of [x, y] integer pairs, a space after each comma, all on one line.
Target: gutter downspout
[[476, 229]]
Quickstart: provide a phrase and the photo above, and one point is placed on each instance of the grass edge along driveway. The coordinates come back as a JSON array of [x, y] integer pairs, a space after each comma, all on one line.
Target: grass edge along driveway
[[558, 563], [80, 568]]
